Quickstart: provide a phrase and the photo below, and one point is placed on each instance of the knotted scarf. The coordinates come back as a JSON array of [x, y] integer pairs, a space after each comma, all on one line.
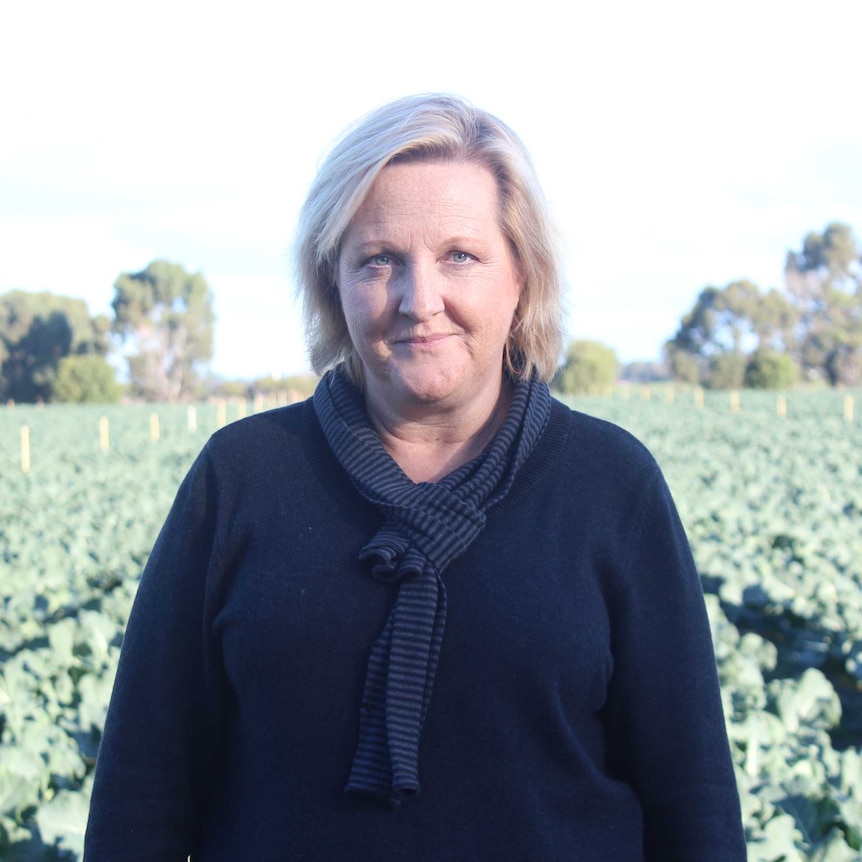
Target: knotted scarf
[[427, 525]]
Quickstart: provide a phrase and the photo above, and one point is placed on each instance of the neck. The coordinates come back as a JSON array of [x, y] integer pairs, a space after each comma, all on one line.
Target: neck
[[427, 445]]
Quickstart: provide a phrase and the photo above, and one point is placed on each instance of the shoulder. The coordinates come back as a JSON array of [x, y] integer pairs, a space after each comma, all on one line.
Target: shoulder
[[596, 447], [280, 433], [281, 423], [281, 451], [589, 471], [279, 448]]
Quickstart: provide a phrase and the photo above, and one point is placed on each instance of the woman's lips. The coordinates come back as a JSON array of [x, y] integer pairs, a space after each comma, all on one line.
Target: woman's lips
[[423, 340]]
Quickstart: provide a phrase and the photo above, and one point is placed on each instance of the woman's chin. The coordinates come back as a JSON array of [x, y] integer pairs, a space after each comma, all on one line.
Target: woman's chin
[[419, 386]]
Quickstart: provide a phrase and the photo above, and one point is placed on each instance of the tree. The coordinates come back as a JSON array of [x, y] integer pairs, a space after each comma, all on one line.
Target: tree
[[736, 318], [589, 366], [770, 369], [727, 370], [684, 366], [723, 327], [37, 331], [816, 321], [824, 282], [164, 316], [86, 379]]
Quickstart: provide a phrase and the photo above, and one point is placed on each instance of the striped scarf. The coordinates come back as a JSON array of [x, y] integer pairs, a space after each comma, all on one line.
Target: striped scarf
[[427, 525]]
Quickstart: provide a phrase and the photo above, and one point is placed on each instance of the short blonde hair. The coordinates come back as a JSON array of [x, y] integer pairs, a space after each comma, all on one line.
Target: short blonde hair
[[434, 127]]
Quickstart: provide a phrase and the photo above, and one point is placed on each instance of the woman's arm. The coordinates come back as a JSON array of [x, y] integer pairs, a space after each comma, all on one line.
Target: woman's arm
[[160, 739], [667, 734]]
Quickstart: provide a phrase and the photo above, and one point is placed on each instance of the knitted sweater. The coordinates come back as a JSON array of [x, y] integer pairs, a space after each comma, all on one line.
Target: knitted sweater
[[575, 713]]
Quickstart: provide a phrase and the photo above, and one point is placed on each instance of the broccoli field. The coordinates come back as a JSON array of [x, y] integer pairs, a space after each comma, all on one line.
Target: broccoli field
[[772, 504]]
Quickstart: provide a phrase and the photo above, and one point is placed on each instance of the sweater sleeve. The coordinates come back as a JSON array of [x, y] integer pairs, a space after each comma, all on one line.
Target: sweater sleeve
[[667, 735], [162, 728]]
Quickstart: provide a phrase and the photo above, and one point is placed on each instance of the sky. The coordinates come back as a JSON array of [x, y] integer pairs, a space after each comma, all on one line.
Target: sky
[[680, 144]]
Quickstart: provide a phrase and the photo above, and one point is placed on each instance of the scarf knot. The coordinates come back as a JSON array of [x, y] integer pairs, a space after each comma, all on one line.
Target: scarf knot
[[427, 525], [392, 559]]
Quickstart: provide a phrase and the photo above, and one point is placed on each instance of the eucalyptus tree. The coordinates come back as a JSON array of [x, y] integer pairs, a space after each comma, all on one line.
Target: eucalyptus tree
[[164, 317]]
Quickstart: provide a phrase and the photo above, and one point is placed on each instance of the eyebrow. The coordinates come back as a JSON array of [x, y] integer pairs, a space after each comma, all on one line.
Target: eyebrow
[[370, 243]]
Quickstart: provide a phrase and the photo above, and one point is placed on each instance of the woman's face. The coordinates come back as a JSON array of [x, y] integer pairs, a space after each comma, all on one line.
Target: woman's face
[[429, 285]]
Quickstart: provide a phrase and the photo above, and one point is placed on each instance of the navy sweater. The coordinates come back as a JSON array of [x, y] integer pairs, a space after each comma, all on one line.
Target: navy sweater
[[575, 713]]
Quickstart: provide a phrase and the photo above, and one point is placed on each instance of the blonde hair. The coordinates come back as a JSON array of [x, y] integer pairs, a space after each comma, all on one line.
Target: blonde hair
[[434, 127]]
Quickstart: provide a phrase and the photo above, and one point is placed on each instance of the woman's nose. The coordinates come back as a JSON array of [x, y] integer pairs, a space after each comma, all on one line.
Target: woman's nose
[[421, 292]]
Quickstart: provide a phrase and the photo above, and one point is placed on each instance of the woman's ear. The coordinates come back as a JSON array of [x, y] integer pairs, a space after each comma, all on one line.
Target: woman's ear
[[521, 276]]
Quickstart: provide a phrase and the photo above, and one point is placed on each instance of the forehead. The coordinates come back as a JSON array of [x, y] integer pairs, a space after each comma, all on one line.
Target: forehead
[[429, 192]]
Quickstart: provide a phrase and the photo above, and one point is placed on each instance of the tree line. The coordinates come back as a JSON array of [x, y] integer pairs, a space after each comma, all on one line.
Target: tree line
[[51, 349], [735, 336], [811, 331]]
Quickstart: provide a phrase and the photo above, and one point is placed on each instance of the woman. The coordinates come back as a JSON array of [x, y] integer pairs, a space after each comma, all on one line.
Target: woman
[[430, 586]]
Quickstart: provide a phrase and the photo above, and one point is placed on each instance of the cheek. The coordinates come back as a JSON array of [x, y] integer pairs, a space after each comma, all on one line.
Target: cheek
[[360, 311], [501, 316]]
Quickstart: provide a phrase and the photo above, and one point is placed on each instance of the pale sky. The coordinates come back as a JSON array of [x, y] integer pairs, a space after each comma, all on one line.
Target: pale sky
[[681, 144]]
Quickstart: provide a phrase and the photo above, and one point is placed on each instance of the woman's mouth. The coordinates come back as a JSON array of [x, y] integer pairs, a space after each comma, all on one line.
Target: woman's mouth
[[423, 340]]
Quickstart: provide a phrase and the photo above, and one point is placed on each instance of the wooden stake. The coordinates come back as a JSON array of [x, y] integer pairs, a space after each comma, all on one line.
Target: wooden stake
[[241, 408], [781, 406], [734, 401], [698, 397], [192, 417], [104, 434], [848, 408], [668, 395], [25, 449], [154, 426], [221, 413]]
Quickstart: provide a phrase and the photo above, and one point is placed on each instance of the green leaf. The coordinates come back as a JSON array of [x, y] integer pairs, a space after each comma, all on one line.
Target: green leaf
[[63, 821]]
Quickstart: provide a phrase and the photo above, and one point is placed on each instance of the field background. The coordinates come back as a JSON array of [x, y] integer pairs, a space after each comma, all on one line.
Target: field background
[[772, 504]]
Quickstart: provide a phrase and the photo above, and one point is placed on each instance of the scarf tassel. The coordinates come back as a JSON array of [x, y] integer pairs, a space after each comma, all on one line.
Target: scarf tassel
[[400, 676]]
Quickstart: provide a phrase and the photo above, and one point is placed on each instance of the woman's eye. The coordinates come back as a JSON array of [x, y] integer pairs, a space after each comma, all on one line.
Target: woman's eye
[[460, 256], [380, 260]]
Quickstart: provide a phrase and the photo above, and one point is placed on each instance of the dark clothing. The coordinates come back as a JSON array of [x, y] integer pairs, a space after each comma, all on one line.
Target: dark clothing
[[575, 715]]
